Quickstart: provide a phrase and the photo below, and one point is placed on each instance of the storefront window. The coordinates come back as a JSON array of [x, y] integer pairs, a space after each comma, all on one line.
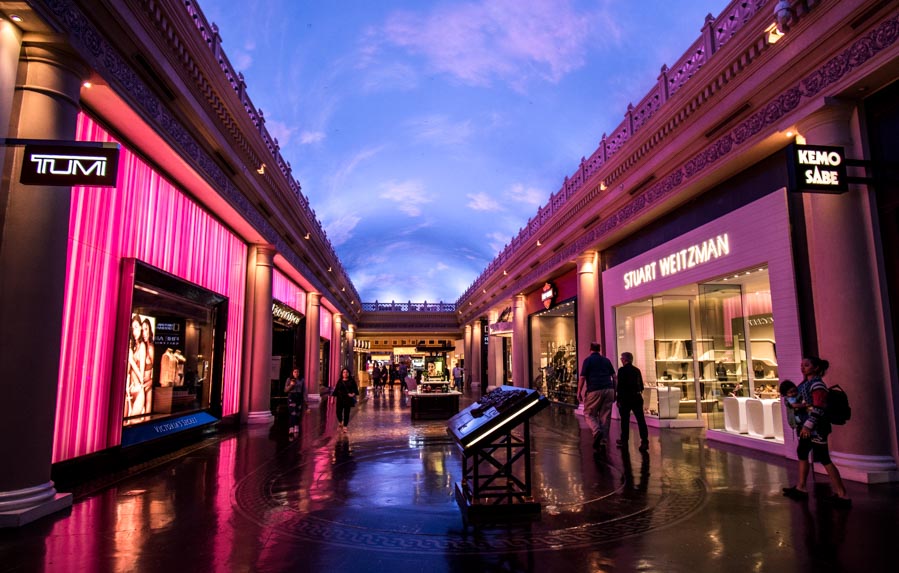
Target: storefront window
[[691, 345], [172, 347], [554, 364]]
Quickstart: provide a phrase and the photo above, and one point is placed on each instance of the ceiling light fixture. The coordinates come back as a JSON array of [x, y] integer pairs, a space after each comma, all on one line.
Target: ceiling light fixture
[[16, 18], [307, 236], [88, 85], [261, 170], [539, 244]]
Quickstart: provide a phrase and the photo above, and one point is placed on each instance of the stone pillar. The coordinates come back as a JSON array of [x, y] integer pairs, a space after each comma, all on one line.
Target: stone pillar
[[259, 310], [312, 369], [350, 357], [587, 304], [476, 345], [335, 356], [520, 366], [33, 258], [467, 355], [849, 316], [494, 354]]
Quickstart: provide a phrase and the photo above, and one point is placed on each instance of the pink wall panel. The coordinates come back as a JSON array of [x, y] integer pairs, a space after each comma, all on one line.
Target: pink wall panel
[[288, 292], [149, 219], [324, 323]]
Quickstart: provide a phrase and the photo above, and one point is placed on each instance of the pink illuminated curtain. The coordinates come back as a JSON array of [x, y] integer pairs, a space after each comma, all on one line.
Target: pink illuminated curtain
[[754, 303], [324, 323], [288, 292], [149, 219]]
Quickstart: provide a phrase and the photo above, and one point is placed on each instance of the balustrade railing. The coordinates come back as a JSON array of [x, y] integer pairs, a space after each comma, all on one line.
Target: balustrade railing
[[409, 306]]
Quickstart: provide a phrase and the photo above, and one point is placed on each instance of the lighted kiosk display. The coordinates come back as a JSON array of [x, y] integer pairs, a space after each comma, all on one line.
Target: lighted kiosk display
[[494, 437], [434, 401]]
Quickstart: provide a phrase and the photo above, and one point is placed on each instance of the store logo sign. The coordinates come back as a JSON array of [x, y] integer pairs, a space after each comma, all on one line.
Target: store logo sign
[[819, 168], [68, 165], [285, 313], [548, 295], [688, 258]]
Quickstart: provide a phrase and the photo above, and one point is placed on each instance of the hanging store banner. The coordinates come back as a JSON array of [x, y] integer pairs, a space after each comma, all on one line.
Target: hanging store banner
[[818, 168], [68, 164]]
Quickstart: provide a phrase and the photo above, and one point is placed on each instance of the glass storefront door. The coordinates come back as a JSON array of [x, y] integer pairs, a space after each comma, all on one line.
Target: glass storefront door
[[554, 367], [707, 349]]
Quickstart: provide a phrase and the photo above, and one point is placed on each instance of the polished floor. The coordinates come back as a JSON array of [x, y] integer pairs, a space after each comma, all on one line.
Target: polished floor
[[380, 498]]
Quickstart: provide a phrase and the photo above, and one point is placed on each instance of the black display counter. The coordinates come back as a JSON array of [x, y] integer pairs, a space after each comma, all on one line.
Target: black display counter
[[494, 437], [434, 405]]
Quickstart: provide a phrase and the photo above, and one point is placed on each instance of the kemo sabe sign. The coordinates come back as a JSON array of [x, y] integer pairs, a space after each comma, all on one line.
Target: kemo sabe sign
[[91, 165], [818, 168]]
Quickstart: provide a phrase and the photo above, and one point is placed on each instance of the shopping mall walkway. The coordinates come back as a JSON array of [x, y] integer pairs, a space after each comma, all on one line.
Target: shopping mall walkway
[[381, 499]]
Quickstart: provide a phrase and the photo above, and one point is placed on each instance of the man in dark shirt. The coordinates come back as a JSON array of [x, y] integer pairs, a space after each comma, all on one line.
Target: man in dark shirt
[[596, 390], [630, 399]]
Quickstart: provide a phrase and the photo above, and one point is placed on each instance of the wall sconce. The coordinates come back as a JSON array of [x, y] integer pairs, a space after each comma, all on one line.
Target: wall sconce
[[773, 33]]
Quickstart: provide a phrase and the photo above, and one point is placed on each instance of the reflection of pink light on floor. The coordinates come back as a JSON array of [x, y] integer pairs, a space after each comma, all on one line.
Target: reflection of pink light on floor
[[149, 219]]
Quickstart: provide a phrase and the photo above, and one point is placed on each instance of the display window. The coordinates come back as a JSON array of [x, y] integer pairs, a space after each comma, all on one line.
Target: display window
[[705, 349], [175, 340], [554, 366]]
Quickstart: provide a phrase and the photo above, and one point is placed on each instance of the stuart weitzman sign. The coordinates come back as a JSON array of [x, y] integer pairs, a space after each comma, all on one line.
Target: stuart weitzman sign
[[92, 165]]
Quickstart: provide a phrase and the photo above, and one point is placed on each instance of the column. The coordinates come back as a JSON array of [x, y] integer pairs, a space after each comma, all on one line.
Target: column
[[350, 356], [467, 355], [587, 304], [336, 355], [33, 258], [520, 366], [849, 315], [476, 345], [494, 354], [259, 309], [312, 369]]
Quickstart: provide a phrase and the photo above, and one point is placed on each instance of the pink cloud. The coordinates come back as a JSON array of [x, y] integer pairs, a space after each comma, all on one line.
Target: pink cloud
[[508, 40]]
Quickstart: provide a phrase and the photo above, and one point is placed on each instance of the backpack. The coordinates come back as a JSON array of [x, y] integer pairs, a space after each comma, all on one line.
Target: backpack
[[837, 408]]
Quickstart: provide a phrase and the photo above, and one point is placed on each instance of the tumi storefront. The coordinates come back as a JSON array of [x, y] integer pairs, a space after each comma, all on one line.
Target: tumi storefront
[[711, 318], [155, 286]]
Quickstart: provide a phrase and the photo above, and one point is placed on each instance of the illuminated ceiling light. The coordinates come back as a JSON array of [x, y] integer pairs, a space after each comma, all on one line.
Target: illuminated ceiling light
[[87, 85], [485, 291], [261, 170], [342, 289], [329, 269], [539, 244], [790, 134], [16, 18], [307, 236], [505, 273], [602, 186], [773, 34]]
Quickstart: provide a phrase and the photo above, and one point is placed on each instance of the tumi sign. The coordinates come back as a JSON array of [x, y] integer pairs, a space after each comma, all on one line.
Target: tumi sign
[[818, 168], [91, 165]]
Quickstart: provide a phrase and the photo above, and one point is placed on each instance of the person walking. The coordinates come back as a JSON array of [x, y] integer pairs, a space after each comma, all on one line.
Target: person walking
[[596, 390], [813, 429], [376, 379], [345, 393], [457, 376], [295, 388], [630, 399]]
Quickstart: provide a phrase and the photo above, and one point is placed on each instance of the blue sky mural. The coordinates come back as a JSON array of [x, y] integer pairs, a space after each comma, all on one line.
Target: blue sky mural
[[426, 133]]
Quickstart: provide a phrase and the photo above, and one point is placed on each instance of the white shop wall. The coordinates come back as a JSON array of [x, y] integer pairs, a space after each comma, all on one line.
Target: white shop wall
[[758, 234]]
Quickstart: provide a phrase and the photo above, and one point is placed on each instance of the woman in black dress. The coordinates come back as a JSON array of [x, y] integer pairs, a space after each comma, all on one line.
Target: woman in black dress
[[345, 393]]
